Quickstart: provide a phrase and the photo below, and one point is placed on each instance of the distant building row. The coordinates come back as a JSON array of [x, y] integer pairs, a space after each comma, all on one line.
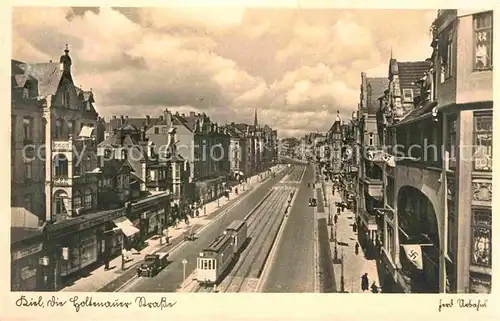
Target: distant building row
[[76, 178]]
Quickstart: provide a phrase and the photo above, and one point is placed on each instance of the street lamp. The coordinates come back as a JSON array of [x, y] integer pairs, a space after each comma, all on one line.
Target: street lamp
[[184, 262]]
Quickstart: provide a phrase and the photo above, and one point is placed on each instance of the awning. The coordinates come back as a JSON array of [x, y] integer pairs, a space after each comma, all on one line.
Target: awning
[[126, 226], [86, 131]]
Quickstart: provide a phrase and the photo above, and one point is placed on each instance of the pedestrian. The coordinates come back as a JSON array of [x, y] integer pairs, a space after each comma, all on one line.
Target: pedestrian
[[335, 218], [338, 210], [354, 227], [197, 213], [314, 185], [356, 248], [364, 282], [374, 288], [308, 184], [333, 191]]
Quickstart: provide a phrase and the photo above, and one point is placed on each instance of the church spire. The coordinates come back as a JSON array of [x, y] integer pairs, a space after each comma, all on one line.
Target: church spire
[[255, 121], [338, 116]]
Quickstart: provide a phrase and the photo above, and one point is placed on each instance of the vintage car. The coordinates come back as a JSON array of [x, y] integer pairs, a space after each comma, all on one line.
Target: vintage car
[[312, 202], [153, 264]]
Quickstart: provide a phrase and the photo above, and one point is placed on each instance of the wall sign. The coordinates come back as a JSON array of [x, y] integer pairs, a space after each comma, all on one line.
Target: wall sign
[[27, 251]]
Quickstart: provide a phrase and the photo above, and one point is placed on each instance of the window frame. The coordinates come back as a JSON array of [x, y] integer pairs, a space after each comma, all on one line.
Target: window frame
[[477, 116], [450, 119], [450, 62], [475, 227], [27, 128], [405, 91], [477, 30], [28, 170]]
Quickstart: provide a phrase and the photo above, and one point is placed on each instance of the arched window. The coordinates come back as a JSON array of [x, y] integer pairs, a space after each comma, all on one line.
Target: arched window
[[60, 202], [88, 199], [60, 166]]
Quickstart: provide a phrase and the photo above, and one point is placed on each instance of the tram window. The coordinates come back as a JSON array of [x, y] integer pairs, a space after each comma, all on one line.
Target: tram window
[[205, 265]]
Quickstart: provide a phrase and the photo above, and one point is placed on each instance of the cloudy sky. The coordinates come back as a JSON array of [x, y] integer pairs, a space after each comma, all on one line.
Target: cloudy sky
[[297, 67]]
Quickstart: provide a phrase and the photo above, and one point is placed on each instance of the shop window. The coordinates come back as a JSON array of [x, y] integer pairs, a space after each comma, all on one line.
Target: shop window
[[481, 238], [157, 130], [483, 41], [60, 166], [451, 142], [483, 137]]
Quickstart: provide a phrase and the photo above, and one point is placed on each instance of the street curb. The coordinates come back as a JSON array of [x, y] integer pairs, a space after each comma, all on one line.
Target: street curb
[[274, 248], [258, 204], [317, 278]]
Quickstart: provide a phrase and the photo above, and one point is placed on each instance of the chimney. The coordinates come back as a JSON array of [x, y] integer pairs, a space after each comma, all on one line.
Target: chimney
[[176, 113], [126, 117], [192, 114], [148, 119], [168, 117], [122, 119], [183, 116], [114, 117]]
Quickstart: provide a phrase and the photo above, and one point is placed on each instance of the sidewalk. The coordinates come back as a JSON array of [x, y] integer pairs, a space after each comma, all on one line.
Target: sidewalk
[[354, 266], [98, 278]]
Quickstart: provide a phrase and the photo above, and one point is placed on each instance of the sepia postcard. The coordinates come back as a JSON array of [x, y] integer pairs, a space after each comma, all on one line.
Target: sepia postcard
[[288, 160]]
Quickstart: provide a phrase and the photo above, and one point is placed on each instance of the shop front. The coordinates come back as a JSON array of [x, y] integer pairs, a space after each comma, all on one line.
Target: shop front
[[26, 274], [151, 213], [75, 244]]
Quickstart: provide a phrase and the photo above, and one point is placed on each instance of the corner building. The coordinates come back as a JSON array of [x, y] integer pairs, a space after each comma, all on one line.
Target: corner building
[[437, 198]]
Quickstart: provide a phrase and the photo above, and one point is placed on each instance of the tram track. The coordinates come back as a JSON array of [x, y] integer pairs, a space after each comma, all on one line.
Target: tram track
[[260, 226], [271, 200]]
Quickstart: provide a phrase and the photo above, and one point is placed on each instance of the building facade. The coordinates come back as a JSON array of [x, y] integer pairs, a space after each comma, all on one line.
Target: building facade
[[438, 197], [369, 177]]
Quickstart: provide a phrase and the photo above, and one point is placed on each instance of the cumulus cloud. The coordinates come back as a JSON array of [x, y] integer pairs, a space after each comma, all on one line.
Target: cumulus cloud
[[296, 67]]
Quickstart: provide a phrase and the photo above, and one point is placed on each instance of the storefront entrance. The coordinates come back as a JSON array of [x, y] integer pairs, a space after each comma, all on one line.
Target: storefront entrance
[[419, 240]]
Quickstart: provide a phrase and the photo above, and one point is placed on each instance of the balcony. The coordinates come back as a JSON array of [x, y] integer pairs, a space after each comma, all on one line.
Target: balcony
[[62, 146], [62, 181]]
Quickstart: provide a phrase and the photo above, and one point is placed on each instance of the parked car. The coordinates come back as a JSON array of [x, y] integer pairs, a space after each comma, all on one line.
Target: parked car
[[153, 264], [312, 202]]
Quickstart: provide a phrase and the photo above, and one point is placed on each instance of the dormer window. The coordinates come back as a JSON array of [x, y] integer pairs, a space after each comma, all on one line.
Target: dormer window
[[408, 95]]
